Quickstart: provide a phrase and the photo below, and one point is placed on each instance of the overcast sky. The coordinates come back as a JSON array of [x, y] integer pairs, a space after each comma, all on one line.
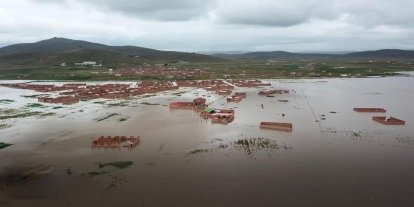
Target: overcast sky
[[215, 25]]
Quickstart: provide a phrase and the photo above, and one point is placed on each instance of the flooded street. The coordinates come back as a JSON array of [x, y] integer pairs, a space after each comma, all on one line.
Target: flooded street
[[333, 157]]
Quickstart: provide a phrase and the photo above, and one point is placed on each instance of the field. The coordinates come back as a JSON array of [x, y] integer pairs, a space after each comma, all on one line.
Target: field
[[290, 68]]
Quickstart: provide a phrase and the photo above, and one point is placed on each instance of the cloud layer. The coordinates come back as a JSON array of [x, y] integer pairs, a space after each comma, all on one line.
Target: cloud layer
[[217, 25]]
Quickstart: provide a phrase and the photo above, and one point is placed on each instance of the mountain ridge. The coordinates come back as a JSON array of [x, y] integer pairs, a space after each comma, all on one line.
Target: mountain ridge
[[57, 50], [382, 53], [54, 51]]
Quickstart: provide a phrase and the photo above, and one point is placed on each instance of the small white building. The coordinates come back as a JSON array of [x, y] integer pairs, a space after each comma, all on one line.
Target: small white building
[[88, 63]]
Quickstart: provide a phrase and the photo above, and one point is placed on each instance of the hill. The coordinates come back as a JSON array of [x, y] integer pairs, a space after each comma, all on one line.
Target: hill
[[58, 50], [385, 53], [377, 54]]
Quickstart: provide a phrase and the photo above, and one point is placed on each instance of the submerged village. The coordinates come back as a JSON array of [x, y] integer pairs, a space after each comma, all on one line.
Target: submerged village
[[73, 93], [112, 136]]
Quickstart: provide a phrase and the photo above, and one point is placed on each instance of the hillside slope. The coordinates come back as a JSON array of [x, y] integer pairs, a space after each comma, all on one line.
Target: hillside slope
[[57, 50], [377, 54]]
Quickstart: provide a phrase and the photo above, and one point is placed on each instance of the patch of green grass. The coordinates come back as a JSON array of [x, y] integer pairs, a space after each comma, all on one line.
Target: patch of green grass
[[33, 96], [95, 173], [178, 93], [122, 103], [119, 164], [8, 111], [123, 119], [35, 105], [21, 115], [4, 145], [6, 101], [107, 117], [4, 126], [197, 151], [148, 95], [255, 144], [47, 114], [150, 104]]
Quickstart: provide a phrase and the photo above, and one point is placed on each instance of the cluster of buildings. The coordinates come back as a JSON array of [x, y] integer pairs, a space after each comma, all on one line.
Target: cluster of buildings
[[198, 103], [209, 85], [219, 116], [222, 116], [249, 83], [161, 71], [237, 97], [59, 99], [72, 93], [271, 92], [44, 87]]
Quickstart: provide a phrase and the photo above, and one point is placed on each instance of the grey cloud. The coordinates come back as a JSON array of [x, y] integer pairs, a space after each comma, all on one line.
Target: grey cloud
[[171, 10], [279, 13], [271, 13], [294, 25], [373, 12]]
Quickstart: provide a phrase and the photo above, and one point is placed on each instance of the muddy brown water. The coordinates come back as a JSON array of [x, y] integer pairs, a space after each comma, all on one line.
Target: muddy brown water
[[333, 157]]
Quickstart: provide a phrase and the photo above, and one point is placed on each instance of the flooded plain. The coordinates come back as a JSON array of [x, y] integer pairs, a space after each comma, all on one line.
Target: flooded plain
[[333, 157]]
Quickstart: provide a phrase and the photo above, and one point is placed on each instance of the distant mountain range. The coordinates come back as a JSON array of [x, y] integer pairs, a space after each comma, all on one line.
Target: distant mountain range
[[55, 51], [58, 50], [377, 54]]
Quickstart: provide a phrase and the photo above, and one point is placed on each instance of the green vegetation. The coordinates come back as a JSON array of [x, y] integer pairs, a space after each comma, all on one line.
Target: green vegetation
[[6, 101], [150, 104], [47, 114], [196, 151], [4, 145], [122, 103], [35, 105], [20, 115], [33, 96], [4, 126], [123, 119], [95, 173], [60, 50], [255, 144], [291, 68], [119, 164], [43, 61], [107, 117], [178, 93]]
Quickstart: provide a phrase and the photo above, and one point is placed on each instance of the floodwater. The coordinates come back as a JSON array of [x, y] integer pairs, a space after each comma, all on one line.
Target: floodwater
[[333, 157]]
